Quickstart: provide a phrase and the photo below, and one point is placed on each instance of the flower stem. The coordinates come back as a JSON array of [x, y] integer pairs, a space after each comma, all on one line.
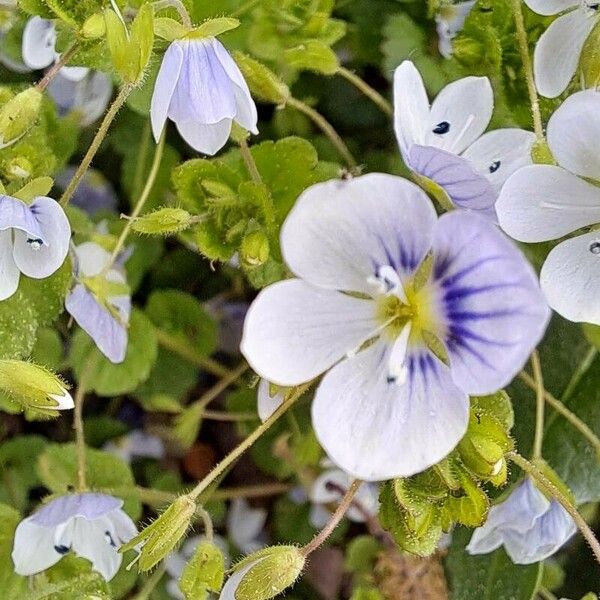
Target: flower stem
[[178, 346], [221, 386], [546, 485], [138, 178], [78, 401], [333, 522], [151, 583], [580, 371], [247, 443], [249, 162], [526, 60], [207, 522], [560, 408], [538, 439], [158, 154], [214, 415], [325, 126], [96, 142], [178, 6], [546, 594], [65, 57], [367, 90]]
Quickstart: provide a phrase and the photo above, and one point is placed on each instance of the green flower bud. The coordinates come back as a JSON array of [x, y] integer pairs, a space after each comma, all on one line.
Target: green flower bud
[[263, 83], [34, 387], [467, 50], [18, 115], [164, 221], [203, 573], [94, 27], [18, 168], [254, 250], [162, 535], [264, 574]]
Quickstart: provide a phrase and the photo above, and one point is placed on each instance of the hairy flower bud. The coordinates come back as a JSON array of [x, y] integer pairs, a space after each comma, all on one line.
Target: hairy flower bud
[[18, 115], [164, 221], [255, 249]]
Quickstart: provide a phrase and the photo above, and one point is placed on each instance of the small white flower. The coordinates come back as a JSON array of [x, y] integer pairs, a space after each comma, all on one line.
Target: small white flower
[[529, 526], [547, 202], [201, 89], [246, 526], [34, 240], [449, 21], [446, 143], [136, 444], [91, 525], [559, 48]]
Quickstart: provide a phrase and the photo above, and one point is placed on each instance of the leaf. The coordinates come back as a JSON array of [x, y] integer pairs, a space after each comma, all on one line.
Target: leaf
[[109, 379], [57, 469], [489, 576]]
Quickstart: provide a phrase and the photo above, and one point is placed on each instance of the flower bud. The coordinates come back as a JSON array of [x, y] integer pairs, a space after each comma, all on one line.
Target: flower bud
[[263, 83], [467, 50], [18, 168], [18, 115], [264, 574], [94, 27], [164, 221], [34, 387], [204, 572], [254, 250], [162, 535]]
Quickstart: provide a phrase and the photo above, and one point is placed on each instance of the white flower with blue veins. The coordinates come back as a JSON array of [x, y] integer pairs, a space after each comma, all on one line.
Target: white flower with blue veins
[[34, 240], [201, 89], [90, 525], [405, 314], [246, 526], [529, 526], [559, 48], [445, 142], [547, 202]]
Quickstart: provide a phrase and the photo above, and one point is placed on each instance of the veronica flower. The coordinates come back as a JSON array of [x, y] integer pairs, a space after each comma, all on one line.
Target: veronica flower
[[100, 301], [403, 340], [529, 526], [200, 88], [246, 526], [34, 240], [88, 96], [449, 21], [445, 142], [136, 444], [91, 525], [38, 48], [546, 202], [558, 50]]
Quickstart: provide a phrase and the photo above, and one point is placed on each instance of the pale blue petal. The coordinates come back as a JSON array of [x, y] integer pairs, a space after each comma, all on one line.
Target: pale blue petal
[[205, 138], [89, 506], [15, 214]]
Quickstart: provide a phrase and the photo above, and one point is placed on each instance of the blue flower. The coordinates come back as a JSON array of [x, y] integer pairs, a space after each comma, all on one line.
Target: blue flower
[[529, 526], [201, 89]]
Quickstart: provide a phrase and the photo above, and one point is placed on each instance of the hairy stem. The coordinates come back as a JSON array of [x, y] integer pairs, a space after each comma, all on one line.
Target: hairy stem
[[178, 6], [220, 386], [579, 372], [151, 583], [333, 522], [325, 126], [547, 486], [207, 522], [96, 142], [65, 57], [249, 162], [247, 443], [78, 423], [526, 60], [367, 90], [215, 415], [538, 439]]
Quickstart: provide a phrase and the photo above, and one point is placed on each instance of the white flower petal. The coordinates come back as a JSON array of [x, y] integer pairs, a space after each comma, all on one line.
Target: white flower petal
[[164, 88], [245, 523], [322, 492], [570, 278], [293, 331], [557, 52], [340, 233], [9, 273], [402, 429], [44, 260], [550, 7], [498, 154], [90, 541], [460, 113], [208, 139], [267, 404], [33, 549], [544, 202], [231, 585], [573, 134], [411, 107], [65, 401], [74, 73], [318, 516], [39, 38], [91, 259]]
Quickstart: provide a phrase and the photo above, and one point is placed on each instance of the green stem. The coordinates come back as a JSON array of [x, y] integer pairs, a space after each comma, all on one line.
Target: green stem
[[526, 60], [138, 178], [220, 386], [546, 594], [207, 522], [323, 124], [78, 401], [333, 522], [140, 203], [249, 162], [214, 415], [178, 346], [247, 443], [151, 583], [538, 439], [178, 6], [96, 142], [367, 90], [547, 486], [65, 57], [560, 408], [580, 371]]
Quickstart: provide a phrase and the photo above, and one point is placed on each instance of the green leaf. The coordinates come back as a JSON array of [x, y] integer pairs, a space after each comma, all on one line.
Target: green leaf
[[489, 576], [213, 27], [168, 29], [109, 379], [57, 469], [313, 56]]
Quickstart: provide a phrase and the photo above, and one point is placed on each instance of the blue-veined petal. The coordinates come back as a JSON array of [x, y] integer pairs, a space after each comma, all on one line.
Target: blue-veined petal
[[15, 214]]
